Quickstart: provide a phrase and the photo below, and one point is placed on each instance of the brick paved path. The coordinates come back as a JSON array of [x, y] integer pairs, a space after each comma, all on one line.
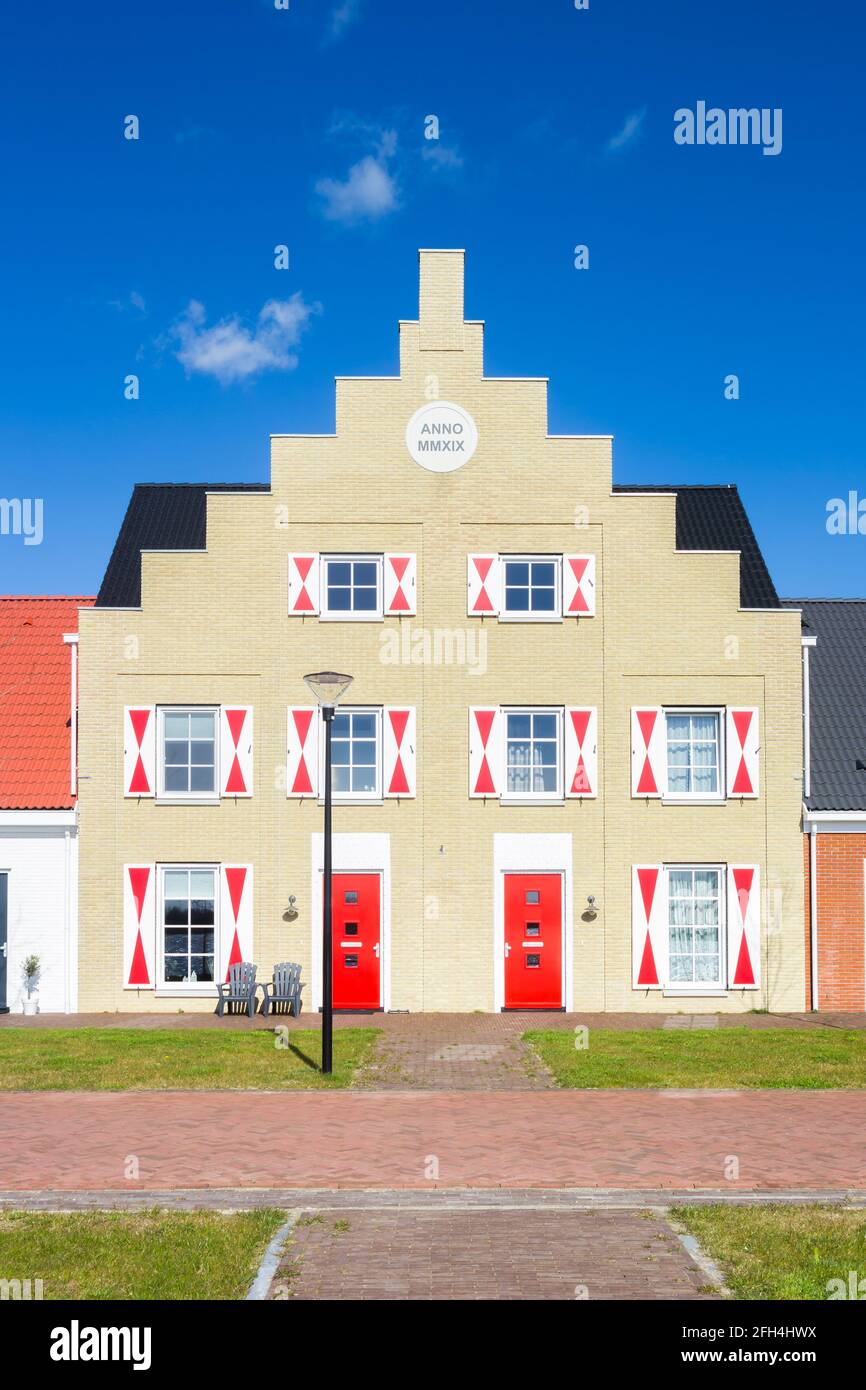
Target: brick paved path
[[487, 1255], [445, 1027], [628, 1139]]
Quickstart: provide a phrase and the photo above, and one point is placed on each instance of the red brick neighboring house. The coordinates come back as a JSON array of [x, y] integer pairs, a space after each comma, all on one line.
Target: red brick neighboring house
[[38, 794], [834, 811]]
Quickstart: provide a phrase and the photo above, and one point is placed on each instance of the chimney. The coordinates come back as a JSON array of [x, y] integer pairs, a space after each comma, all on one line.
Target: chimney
[[441, 301]]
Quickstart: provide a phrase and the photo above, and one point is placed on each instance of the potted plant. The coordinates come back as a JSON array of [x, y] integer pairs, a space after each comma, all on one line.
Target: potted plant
[[30, 971]]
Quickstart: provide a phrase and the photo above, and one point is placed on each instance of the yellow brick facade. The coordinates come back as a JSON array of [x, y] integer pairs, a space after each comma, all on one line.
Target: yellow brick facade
[[213, 627]]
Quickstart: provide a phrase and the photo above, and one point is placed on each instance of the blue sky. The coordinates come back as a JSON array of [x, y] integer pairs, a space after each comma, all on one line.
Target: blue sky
[[305, 126]]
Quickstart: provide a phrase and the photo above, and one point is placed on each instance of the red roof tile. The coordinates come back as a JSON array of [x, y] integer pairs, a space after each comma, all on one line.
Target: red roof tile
[[34, 701]]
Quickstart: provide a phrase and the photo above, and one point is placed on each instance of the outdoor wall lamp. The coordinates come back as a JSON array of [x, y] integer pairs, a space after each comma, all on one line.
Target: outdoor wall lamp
[[328, 687]]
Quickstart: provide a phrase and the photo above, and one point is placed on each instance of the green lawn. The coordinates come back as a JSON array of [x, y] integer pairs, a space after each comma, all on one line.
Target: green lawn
[[156, 1254], [160, 1059], [773, 1252], [814, 1058]]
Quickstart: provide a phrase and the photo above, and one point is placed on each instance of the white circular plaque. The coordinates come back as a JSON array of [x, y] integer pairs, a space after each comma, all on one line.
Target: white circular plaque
[[441, 436]]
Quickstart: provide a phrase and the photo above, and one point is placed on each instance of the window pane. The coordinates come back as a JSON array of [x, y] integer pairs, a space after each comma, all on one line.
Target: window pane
[[175, 883], [679, 882], [175, 753], [201, 753], [175, 969], [517, 572], [545, 779], [707, 941], [201, 912], [518, 780], [543, 573], [544, 753], [339, 779], [203, 967], [176, 779], [544, 725], [706, 969], [543, 600], [176, 725], [201, 883], [201, 726], [340, 726], [340, 752], [365, 573], [706, 883], [365, 753], [202, 942], [201, 779], [678, 726], [339, 600], [705, 726], [364, 725], [518, 726], [339, 572], [680, 969], [175, 941], [364, 779], [516, 600], [365, 601]]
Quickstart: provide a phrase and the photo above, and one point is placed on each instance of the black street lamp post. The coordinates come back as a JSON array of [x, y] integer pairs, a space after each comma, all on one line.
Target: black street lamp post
[[328, 687]]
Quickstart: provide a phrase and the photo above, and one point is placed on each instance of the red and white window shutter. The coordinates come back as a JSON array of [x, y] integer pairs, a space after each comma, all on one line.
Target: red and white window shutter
[[236, 916], [578, 586], [485, 751], [302, 751], [139, 750], [649, 926], [398, 751], [483, 586], [648, 751], [742, 745], [304, 585], [744, 926], [139, 925], [400, 576], [236, 750], [581, 752]]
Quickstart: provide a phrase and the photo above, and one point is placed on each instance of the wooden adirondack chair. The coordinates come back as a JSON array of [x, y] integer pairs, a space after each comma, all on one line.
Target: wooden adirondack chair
[[239, 991], [284, 991]]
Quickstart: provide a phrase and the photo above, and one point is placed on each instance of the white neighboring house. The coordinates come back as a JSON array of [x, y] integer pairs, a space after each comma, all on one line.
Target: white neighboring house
[[38, 795]]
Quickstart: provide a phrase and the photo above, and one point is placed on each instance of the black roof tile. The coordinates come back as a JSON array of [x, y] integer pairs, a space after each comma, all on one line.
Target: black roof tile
[[837, 701], [173, 516]]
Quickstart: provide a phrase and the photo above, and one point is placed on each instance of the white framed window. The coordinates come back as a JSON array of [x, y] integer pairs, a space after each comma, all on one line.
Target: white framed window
[[188, 927], [531, 587], [351, 587], [533, 754], [695, 753], [188, 752], [356, 754], [696, 928]]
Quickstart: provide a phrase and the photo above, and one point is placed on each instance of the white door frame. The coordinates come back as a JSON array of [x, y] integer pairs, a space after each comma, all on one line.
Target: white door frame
[[352, 853], [527, 854]]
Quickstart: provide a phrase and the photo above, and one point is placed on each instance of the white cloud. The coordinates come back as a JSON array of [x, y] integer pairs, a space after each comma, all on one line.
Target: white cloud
[[630, 131], [342, 16], [442, 156], [133, 300], [231, 352], [368, 192]]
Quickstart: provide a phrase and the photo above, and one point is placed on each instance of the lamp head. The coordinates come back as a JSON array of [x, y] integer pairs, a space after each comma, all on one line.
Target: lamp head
[[328, 687]]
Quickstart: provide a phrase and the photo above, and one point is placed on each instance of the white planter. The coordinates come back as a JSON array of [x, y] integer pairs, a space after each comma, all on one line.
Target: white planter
[[31, 1004]]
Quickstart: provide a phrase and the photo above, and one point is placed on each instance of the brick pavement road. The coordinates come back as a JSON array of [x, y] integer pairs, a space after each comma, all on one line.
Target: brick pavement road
[[530, 1139], [524, 1255]]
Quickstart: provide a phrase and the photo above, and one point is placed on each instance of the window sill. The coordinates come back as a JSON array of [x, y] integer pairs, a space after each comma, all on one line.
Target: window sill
[[351, 617], [693, 800], [187, 801], [531, 800], [530, 617], [690, 992]]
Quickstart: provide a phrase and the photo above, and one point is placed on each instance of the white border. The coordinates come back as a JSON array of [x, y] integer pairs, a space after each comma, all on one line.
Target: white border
[[358, 852], [519, 854]]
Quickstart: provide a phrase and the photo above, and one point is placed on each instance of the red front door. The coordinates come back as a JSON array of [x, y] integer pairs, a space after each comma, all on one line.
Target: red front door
[[533, 941], [356, 919]]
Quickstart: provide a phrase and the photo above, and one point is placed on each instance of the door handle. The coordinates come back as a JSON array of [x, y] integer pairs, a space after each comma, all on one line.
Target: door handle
[[507, 949], [4, 948], [376, 949]]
